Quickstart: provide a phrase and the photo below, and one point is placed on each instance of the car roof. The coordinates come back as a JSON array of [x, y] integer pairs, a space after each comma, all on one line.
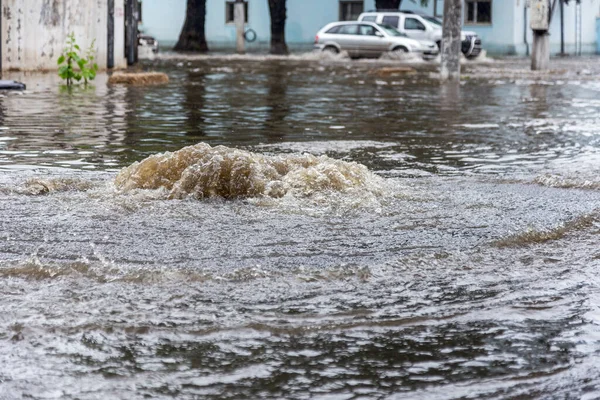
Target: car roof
[[352, 22], [403, 12]]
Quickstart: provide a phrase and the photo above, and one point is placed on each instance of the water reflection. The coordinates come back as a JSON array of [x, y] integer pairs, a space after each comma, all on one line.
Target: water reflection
[[194, 103], [278, 107], [476, 127]]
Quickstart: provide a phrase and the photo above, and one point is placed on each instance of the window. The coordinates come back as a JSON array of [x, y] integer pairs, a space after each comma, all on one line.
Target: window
[[478, 12], [335, 29], [391, 20], [366, 30], [350, 9], [230, 13], [370, 18], [413, 24], [350, 29]]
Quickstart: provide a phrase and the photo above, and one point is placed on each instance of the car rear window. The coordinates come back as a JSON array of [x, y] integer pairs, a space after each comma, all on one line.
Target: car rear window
[[335, 29], [369, 18], [391, 20]]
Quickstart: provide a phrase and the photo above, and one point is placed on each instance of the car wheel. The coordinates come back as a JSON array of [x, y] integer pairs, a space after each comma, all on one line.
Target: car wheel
[[398, 53], [400, 50], [330, 50]]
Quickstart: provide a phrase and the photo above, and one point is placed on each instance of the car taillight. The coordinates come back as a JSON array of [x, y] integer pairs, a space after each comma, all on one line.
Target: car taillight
[[316, 39]]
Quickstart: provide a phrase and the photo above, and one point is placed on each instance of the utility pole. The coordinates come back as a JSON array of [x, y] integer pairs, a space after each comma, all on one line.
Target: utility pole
[[451, 41], [239, 17], [540, 23]]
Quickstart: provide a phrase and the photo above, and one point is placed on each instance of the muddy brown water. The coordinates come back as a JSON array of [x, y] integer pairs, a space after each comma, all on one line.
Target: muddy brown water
[[382, 236]]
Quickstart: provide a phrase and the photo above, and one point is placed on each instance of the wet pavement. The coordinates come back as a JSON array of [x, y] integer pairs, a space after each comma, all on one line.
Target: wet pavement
[[347, 233]]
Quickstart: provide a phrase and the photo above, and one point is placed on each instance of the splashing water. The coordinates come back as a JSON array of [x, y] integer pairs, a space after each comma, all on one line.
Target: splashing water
[[202, 171]]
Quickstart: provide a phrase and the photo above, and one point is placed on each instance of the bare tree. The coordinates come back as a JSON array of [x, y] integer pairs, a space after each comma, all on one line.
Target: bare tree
[[387, 4], [193, 37], [395, 4], [278, 13]]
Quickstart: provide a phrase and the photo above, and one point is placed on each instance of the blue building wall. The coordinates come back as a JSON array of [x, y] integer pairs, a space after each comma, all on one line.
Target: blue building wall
[[598, 35], [497, 37], [163, 19], [506, 35]]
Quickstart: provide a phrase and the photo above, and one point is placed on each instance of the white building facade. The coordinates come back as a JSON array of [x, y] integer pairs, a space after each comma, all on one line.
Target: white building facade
[[34, 32]]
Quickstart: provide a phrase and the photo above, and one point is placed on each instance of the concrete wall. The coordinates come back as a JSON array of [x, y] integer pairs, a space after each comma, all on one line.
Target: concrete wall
[[305, 17], [34, 31]]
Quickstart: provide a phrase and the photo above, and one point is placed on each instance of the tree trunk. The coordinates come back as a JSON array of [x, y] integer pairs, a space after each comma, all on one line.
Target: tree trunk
[[387, 4], [278, 16], [193, 37], [451, 40]]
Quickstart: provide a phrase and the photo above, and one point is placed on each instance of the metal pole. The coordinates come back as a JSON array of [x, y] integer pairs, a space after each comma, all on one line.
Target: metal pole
[[562, 27], [525, 30], [131, 35], [110, 57]]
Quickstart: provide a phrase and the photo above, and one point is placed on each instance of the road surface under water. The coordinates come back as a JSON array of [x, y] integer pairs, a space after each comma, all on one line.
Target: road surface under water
[[335, 233]]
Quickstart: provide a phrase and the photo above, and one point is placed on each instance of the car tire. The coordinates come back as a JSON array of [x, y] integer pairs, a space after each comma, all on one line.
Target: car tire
[[398, 53], [400, 50], [330, 50]]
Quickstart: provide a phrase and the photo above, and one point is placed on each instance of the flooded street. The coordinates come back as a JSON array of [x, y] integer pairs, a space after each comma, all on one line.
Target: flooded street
[[336, 232]]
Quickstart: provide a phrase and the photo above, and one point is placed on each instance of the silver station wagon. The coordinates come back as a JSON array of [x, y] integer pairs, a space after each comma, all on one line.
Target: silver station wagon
[[367, 39]]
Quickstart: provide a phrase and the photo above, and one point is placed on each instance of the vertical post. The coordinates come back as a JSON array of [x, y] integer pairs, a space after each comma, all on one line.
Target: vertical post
[[562, 27], [525, 30], [110, 56], [1, 14], [540, 52], [136, 17], [451, 41], [239, 16], [131, 34], [540, 23]]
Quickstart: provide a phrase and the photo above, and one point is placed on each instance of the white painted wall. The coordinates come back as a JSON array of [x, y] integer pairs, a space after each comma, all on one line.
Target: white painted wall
[[120, 58], [34, 31]]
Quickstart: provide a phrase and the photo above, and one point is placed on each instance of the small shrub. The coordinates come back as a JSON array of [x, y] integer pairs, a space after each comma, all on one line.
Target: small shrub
[[71, 56]]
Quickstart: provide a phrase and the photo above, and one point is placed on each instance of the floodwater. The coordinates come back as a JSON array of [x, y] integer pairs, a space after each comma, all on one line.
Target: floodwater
[[335, 232]]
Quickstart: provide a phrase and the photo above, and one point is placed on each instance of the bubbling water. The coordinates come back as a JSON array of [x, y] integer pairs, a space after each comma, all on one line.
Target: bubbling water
[[202, 171]]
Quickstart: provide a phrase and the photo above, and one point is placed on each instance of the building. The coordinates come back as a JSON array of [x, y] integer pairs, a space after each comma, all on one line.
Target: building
[[502, 24], [34, 32]]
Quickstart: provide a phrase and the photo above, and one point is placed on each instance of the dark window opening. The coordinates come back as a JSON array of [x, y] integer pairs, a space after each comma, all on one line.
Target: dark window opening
[[230, 12], [478, 12], [350, 10]]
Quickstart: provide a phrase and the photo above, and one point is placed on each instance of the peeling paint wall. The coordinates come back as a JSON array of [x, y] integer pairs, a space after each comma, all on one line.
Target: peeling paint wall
[[34, 31]]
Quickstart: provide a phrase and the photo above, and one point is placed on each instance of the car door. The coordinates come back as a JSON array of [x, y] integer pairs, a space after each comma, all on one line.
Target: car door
[[349, 39], [372, 41], [414, 28]]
